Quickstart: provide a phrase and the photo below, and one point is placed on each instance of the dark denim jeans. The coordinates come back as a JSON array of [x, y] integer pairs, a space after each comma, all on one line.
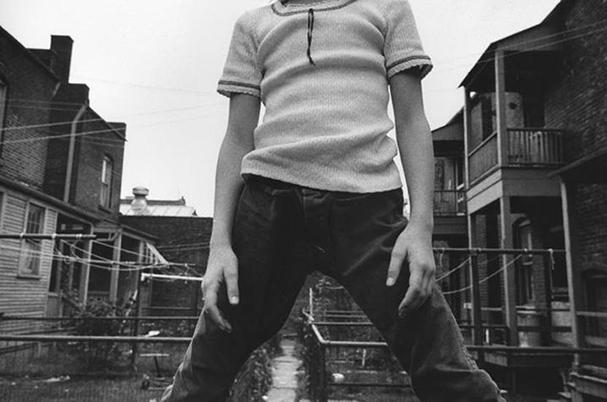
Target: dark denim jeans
[[281, 233]]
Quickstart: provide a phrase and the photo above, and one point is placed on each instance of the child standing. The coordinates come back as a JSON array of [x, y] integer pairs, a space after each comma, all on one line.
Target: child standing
[[314, 187]]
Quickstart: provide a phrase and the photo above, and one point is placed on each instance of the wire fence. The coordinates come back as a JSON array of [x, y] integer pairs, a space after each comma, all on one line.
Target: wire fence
[[111, 365], [345, 357]]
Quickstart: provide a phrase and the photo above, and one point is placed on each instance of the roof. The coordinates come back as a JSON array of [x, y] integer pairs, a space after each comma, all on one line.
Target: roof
[[29, 54], [56, 202], [158, 208], [535, 38]]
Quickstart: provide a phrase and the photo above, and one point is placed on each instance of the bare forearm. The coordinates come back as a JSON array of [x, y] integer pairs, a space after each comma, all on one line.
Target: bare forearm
[[415, 144], [414, 244], [238, 141], [417, 157], [228, 183]]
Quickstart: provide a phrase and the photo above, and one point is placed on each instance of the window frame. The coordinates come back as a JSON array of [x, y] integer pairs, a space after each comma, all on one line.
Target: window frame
[[21, 273], [105, 183]]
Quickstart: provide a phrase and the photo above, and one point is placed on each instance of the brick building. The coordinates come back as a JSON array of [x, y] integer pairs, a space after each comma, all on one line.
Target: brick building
[[60, 172], [535, 154], [578, 104], [182, 238]]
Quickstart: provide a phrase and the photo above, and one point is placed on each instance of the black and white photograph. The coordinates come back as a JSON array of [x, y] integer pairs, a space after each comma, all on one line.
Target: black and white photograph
[[303, 200]]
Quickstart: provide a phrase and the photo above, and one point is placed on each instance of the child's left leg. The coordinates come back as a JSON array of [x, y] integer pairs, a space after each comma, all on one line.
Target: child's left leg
[[428, 342]]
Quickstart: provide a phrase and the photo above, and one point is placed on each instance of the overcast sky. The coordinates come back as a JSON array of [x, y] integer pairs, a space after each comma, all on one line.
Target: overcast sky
[[154, 64]]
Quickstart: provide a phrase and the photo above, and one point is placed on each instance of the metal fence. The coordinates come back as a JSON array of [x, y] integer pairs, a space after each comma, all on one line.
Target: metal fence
[[63, 366], [344, 354], [347, 367]]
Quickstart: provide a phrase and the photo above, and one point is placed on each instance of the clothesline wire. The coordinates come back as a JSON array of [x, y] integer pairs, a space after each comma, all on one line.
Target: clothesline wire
[[121, 250], [109, 261], [58, 255], [452, 271], [541, 41], [478, 265], [485, 279], [69, 122], [114, 248], [92, 132], [179, 245]]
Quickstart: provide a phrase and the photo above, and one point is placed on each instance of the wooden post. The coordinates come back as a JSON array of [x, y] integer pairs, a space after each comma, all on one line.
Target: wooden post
[[508, 274], [477, 318], [548, 260], [500, 109], [70, 274], [85, 273], [467, 133], [573, 284], [115, 273], [134, 348], [470, 219], [471, 222]]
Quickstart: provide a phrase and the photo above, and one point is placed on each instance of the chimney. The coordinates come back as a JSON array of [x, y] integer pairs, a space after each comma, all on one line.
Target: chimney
[[139, 205], [62, 46]]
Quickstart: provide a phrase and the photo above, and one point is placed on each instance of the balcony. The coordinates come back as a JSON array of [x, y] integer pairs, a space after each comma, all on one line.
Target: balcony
[[526, 147], [449, 202]]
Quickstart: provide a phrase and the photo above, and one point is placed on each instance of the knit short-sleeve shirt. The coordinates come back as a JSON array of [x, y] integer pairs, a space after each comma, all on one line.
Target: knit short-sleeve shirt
[[321, 69]]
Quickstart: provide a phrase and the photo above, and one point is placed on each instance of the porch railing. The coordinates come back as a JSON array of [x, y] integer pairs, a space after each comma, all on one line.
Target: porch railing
[[483, 157], [449, 202], [525, 146], [533, 146]]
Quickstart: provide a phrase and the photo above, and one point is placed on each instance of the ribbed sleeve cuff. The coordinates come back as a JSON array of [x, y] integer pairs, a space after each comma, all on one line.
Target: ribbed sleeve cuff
[[421, 61], [228, 88]]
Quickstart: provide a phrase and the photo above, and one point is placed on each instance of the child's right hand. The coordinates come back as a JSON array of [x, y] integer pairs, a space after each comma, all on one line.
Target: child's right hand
[[222, 266]]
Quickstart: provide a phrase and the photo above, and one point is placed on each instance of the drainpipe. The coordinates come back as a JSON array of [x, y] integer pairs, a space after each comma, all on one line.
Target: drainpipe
[[70, 153]]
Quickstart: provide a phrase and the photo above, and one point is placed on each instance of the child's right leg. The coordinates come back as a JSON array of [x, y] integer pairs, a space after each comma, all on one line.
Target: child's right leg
[[267, 242]]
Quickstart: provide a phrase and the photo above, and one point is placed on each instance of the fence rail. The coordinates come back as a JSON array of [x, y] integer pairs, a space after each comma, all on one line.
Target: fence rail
[[319, 349]]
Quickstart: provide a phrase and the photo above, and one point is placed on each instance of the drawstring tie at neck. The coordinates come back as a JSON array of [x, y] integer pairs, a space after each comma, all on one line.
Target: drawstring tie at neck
[[310, 31]]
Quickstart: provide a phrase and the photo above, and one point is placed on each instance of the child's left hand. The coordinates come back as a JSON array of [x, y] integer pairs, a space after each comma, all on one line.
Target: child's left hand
[[414, 244]]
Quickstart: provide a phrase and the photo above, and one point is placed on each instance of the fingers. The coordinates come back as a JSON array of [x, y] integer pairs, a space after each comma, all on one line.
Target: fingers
[[420, 288], [210, 305], [396, 261], [231, 277]]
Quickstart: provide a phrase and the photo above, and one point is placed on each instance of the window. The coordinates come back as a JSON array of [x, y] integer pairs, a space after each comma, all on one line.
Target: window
[[105, 193], [2, 113], [31, 249]]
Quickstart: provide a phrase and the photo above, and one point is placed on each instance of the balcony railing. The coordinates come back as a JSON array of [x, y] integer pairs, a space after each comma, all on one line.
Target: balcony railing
[[449, 202], [526, 147], [532, 146], [483, 157]]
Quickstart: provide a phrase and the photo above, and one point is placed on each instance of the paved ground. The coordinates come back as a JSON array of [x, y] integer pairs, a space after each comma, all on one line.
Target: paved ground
[[284, 374]]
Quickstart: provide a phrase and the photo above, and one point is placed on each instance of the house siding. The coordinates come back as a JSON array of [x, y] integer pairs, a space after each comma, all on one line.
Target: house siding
[[23, 296]]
